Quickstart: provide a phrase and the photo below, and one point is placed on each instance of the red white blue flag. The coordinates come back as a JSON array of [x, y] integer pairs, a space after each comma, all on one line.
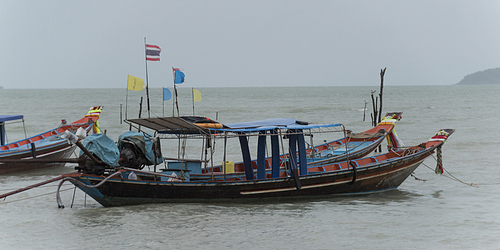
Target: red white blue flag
[[152, 52]]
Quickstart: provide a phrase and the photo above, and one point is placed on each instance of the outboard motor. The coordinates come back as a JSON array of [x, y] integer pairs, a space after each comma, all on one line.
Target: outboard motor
[[133, 150], [131, 156], [138, 150], [87, 165]]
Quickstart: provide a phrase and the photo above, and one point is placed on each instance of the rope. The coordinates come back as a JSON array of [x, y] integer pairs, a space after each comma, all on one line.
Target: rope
[[439, 160], [58, 196], [452, 177], [416, 178], [5, 202]]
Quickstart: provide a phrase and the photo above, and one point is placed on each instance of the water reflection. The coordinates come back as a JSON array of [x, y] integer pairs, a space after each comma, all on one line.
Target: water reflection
[[177, 215]]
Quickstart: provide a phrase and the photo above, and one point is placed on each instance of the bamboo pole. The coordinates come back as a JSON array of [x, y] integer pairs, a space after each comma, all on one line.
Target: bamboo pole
[[30, 187], [382, 73], [374, 108]]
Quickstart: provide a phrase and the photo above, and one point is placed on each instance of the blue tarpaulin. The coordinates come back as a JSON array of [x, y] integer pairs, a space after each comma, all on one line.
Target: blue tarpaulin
[[103, 147]]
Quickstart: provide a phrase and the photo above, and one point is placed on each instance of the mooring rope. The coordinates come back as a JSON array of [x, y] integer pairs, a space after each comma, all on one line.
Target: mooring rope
[[58, 196], [32, 197], [416, 178], [451, 176]]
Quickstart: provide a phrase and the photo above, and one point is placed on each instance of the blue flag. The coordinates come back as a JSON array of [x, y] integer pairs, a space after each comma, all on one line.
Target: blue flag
[[178, 76], [166, 94]]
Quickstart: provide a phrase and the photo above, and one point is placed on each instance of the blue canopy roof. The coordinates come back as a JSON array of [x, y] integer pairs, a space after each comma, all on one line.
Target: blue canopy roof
[[4, 118], [178, 125], [270, 124], [283, 122], [268, 128]]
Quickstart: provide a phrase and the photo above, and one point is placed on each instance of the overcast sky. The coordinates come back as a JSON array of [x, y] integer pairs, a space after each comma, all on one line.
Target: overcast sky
[[96, 44]]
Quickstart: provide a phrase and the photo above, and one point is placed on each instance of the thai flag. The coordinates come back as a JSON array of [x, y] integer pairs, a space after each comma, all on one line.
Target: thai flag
[[152, 52]]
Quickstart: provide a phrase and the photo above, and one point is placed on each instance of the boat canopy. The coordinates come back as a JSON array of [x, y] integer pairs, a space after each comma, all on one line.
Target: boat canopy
[[5, 118], [185, 125], [272, 127], [169, 125], [282, 122]]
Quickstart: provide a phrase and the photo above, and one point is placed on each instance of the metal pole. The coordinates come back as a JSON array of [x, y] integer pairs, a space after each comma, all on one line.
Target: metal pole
[[192, 95], [174, 100], [225, 160], [126, 101]]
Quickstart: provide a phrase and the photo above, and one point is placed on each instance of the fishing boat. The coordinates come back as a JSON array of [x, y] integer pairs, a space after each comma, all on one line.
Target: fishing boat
[[118, 181], [45, 149]]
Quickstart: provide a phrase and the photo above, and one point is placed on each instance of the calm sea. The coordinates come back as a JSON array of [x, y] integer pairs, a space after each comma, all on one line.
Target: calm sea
[[438, 213]]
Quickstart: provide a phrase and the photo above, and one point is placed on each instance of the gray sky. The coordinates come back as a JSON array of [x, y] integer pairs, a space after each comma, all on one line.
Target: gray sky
[[96, 44]]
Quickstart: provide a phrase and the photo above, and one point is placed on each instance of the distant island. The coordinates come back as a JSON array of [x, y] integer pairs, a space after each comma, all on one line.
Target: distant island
[[489, 76]]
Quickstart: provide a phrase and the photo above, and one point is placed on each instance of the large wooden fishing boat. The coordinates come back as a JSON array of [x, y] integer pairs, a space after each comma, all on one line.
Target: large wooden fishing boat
[[284, 171], [45, 149]]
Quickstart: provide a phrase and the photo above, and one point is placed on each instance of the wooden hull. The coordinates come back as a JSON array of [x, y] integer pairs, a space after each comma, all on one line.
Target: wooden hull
[[54, 152], [370, 178]]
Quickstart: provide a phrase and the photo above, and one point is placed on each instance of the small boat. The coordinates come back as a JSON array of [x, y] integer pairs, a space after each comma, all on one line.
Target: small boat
[[118, 181], [43, 150]]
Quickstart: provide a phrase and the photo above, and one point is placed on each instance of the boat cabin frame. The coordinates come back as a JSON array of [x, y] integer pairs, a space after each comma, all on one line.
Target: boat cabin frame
[[286, 137]]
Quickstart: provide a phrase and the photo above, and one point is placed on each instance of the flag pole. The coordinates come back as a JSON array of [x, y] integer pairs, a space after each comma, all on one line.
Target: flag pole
[[176, 102], [126, 100], [175, 90], [147, 81], [175, 93], [192, 94], [173, 102]]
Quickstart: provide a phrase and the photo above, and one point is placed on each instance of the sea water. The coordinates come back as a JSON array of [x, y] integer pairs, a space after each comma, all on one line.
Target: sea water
[[427, 212]]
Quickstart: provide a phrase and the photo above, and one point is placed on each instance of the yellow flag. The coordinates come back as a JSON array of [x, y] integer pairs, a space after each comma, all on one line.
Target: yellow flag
[[196, 95], [135, 83]]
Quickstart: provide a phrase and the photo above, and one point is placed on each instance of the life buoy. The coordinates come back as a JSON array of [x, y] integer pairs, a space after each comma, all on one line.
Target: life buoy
[[209, 125]]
